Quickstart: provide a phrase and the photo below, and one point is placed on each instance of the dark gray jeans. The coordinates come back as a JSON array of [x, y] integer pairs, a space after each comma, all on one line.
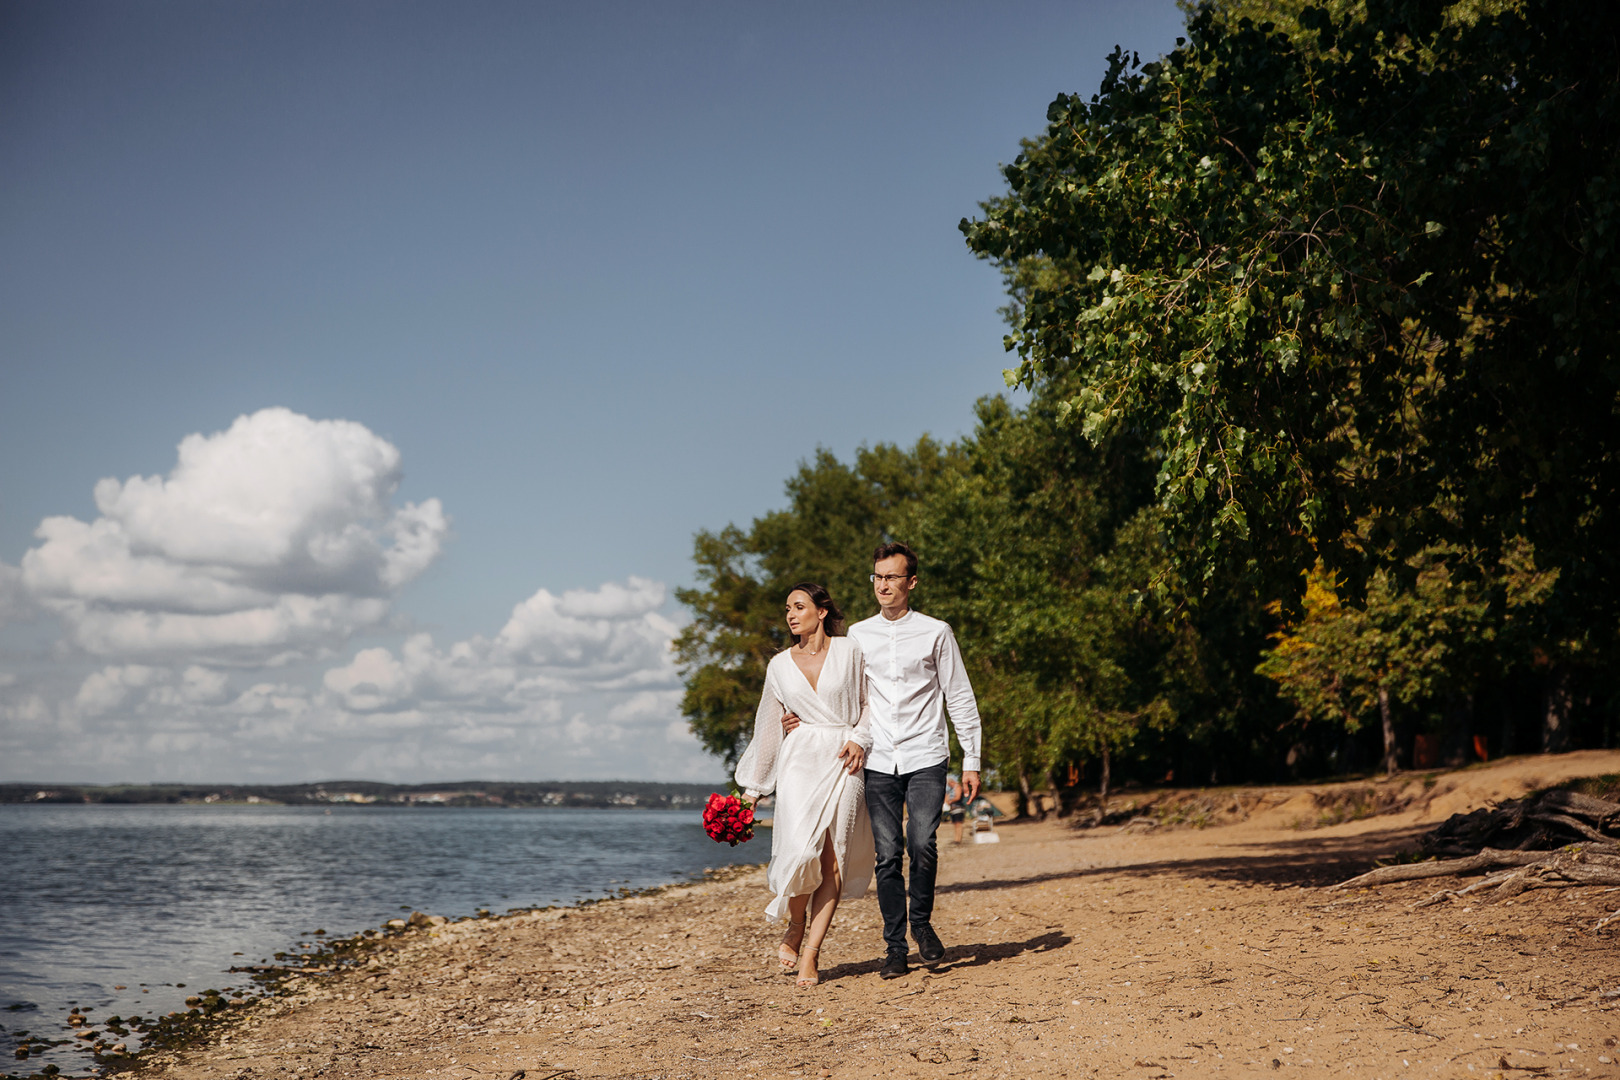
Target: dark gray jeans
[[921, 795]]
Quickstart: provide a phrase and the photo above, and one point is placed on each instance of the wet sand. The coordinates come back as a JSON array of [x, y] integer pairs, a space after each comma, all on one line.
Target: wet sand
[[1142, 953]]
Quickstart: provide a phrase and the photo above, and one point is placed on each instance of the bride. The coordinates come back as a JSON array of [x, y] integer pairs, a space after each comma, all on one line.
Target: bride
[[821, 839]]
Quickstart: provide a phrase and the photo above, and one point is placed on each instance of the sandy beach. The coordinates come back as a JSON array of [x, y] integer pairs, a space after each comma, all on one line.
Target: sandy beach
[[1143, 952]]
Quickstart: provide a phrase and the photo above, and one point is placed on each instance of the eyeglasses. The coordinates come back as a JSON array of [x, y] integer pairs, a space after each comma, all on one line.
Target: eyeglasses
[[891, 579]]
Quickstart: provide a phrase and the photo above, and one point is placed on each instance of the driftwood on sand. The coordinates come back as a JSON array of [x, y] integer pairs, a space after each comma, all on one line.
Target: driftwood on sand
[[1550, 840]]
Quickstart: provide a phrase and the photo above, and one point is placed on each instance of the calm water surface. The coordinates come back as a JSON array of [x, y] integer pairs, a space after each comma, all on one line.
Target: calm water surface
[[152, 897]]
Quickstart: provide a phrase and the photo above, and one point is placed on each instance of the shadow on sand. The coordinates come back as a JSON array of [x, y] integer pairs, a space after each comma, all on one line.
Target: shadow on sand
[[1310, 861], [957, 958]]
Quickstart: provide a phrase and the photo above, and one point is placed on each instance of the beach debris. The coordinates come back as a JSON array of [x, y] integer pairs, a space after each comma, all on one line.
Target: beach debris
[[1544, 821], [1554, 839]]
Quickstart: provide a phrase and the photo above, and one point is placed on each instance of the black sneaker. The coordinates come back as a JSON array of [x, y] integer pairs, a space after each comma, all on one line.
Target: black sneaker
[[929, 947], [894, 966]]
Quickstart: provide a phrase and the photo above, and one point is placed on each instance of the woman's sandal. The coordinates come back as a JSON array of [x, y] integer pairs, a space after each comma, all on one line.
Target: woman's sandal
[[807, 981], [787, 955]]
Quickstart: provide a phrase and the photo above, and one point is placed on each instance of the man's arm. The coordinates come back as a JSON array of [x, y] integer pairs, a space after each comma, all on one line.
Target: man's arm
[[961, 706]]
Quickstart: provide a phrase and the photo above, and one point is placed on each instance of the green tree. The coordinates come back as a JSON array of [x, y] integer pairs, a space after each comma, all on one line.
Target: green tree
[[1339, 663], [1325, 287], [1020, 553], [836, 515], [1359, 287]]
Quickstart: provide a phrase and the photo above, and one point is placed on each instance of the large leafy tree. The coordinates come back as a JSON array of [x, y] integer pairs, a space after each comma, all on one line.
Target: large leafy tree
[[1016, 553], [1048, 555], [1324, 291], [1358, 283], [1042, 550]]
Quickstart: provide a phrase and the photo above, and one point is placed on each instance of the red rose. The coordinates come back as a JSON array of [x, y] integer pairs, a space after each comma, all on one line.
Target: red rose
[[728, 819]]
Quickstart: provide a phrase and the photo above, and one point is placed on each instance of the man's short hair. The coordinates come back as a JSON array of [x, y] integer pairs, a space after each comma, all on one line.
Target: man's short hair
[[887, 551]]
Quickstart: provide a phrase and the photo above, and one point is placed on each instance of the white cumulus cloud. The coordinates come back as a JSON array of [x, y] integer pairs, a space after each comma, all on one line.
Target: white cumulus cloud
[[13, 599], [575, 684], [571, 684], [272, 539], [201, 611], [610, 636], [111, 687], [136, 687], [462, 676]]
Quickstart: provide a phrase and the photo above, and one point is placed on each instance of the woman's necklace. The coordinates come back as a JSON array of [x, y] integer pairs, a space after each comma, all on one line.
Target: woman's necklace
[[811, 652]]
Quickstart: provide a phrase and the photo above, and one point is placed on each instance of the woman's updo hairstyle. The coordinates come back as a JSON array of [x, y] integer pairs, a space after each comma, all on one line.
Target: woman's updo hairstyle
[[834, 623]]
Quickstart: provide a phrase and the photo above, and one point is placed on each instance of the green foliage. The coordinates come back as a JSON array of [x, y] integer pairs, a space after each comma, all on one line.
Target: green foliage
[[1041, 549], [1036, 552], [1360, 289], [837, 515], [1424, 642], [1318, 312], [1286, 16]]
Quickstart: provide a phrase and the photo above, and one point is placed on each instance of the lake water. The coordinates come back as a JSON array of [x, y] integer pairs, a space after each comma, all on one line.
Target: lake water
[[152, 897]]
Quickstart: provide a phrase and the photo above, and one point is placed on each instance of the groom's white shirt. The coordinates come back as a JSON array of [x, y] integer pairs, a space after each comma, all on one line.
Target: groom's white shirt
[[914, 677]]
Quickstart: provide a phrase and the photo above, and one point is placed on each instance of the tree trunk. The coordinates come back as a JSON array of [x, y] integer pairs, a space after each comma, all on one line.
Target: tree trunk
[[1457, 742], [1102, 791], [1470, 724], [1023, 791], [1389, 731], [1555, 718], [1505, 745]]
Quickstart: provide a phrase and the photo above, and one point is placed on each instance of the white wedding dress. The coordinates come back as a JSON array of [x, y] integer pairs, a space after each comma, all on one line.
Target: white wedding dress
[[815, 792]]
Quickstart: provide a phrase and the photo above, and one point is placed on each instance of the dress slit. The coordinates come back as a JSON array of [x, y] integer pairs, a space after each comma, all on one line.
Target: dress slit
[[818, 800]]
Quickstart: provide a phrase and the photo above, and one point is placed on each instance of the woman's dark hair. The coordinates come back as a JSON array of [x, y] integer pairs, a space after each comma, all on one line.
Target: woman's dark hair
[[834, 624], [894, 548]]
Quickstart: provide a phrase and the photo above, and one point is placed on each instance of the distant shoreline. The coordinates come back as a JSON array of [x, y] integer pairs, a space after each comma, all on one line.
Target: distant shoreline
[[589, 794]]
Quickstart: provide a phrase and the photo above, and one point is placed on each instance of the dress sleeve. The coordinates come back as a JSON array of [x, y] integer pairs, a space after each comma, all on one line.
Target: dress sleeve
[[756, 772], [863, 727]]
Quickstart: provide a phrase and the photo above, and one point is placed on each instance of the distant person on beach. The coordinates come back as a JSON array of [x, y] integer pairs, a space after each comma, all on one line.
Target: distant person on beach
[[955, 805], [914, 678], [821, 838]]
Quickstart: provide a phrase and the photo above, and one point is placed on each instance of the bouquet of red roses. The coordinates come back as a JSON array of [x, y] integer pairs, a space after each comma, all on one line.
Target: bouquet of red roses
[[729, 819]]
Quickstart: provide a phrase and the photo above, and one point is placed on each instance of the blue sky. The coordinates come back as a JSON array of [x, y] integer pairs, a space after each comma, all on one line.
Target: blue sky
[[592, 277]]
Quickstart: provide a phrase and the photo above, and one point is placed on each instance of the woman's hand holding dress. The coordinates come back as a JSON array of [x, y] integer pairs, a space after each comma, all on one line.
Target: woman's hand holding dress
[[817, 775]]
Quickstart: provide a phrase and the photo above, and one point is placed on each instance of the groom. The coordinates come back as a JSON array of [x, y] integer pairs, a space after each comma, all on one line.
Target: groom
[[914, 676]]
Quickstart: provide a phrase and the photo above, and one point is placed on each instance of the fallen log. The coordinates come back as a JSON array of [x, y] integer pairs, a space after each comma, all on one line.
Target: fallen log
[[1554, 839], [1574, 826], [1485, 860]]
